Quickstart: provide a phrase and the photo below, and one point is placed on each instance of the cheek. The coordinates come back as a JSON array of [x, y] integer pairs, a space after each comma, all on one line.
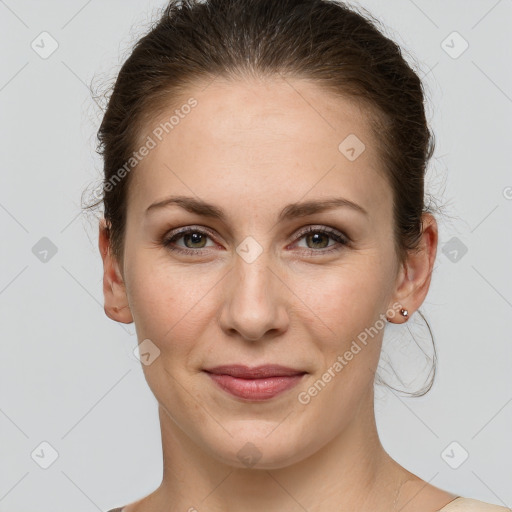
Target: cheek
[[166, 306], [164, 298], [345, 297], [347, 330]]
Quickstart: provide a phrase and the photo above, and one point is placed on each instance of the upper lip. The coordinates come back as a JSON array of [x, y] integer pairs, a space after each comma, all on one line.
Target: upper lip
[[255, 372]]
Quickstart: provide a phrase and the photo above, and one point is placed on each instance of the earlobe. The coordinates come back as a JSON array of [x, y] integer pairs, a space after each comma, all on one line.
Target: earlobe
[[114, 291]]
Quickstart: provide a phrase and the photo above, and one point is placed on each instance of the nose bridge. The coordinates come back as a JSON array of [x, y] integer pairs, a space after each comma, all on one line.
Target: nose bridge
[[253, 268], [253, 276]]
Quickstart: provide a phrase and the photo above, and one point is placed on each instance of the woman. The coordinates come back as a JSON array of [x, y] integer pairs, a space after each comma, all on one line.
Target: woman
[[264, 218]]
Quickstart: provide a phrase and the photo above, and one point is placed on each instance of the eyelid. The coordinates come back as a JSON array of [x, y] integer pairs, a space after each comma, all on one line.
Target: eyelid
[[329, 230]]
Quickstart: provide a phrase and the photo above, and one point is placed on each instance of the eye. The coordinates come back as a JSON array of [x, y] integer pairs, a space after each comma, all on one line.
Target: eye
[[319, 237], [195, 240], [190, 235]]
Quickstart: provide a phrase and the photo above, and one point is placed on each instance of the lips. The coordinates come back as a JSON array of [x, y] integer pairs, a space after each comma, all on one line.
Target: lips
[[257, 383]]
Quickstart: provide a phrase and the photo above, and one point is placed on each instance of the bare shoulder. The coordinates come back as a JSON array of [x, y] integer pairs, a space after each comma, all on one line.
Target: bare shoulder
[[472, 505], [420, 496]]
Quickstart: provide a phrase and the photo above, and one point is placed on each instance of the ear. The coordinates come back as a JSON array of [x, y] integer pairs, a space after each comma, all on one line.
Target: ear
[[414, 277], [114, 290]]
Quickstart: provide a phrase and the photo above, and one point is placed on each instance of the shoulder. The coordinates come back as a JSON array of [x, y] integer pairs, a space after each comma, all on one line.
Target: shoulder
[[472, 505]]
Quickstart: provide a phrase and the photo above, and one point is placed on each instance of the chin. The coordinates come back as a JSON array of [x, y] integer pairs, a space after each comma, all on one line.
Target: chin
[[252, 449]]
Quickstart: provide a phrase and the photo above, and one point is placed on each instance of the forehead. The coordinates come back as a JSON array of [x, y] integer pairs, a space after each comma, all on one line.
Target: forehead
[[260, 142]]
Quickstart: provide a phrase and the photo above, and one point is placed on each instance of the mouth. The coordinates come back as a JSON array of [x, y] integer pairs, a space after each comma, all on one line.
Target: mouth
[[257, 383]]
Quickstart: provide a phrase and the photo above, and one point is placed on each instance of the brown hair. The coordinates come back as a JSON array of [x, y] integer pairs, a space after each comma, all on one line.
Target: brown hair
[[323, 41]]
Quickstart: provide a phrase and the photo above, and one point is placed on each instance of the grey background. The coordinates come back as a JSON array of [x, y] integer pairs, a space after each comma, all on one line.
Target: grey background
[[68, 375]]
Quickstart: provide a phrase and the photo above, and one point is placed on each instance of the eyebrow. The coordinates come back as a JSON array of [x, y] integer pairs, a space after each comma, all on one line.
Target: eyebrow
[[290, 211]]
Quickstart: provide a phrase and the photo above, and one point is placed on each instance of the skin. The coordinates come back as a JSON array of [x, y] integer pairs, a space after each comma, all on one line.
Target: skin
[[250, 147]]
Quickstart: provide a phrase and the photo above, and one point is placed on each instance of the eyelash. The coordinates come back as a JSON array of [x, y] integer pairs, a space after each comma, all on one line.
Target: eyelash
[[341, 240]]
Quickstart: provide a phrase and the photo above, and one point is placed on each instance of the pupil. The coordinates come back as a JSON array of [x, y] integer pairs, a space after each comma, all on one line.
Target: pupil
[[196, 237]]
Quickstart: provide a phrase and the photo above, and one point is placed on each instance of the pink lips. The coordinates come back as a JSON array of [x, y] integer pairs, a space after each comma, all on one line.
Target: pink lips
[[258, 383]]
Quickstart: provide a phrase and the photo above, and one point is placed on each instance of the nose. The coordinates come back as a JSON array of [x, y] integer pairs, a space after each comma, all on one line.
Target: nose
[[254, 302]]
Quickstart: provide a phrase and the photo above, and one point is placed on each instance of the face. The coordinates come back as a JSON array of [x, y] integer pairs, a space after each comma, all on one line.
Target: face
[[251, 286]]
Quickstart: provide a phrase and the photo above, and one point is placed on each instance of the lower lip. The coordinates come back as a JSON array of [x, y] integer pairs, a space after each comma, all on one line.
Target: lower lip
[[255, 389]]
